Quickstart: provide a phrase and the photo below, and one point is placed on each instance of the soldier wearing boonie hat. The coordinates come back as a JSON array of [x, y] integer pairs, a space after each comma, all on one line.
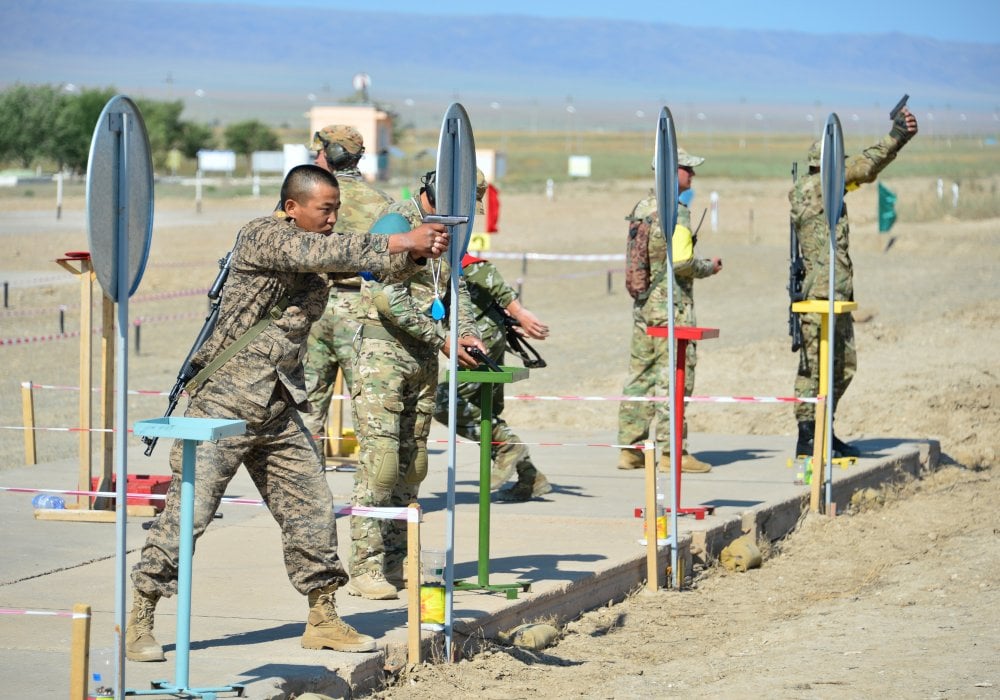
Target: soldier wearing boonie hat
[[648, 359], [339, 148]]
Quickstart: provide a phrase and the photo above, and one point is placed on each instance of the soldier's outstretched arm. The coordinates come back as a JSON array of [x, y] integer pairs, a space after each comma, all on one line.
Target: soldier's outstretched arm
[[425, 241]]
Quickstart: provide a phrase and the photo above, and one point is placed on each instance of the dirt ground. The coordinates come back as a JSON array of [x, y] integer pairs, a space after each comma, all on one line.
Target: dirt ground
[[897, 597]]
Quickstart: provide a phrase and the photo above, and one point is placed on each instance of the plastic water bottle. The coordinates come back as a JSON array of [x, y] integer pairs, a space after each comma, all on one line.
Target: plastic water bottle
[[102, 672], [48, 500]]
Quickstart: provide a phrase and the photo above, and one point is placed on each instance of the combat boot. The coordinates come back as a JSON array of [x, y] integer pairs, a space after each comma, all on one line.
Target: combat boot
[[692, 465], [372, 585], [531, 483], [665, 463], [499, 477], [396, 576], [843, 449], [631, 459], [804, 444], [140, 645], [325, 629]]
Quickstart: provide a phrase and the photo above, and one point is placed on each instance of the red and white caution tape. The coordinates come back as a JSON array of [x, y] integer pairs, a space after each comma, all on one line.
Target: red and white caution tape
[[611, 257], [73, 334], [45, 613], [532, 397], [38, 338], [661, 399], [408, 514]]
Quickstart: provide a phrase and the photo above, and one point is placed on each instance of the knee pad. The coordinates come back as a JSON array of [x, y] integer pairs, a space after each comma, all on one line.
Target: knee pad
[[384, 469], [417, 471]]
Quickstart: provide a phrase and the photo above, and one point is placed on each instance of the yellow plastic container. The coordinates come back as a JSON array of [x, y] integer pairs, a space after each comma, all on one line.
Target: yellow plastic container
[[432, 604]]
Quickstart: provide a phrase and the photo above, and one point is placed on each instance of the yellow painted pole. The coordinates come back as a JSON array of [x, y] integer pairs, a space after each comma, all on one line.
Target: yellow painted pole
[[818, 459], [86, 378], [652, 567], [820, 437], [28, 414], [79, 652], [107, 400], [413, 583]]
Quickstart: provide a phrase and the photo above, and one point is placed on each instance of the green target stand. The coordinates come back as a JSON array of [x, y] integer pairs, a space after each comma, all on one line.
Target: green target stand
[[487, 379]]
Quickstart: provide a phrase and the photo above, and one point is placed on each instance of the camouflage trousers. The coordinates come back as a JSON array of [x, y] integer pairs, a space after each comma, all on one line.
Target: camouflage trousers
[[393, 395], [507, 452], [845, 362], [648, 375], [329, 348], [284, 464]]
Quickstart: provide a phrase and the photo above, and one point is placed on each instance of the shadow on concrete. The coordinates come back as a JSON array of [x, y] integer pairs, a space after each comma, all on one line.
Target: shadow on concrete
[[720, 458]]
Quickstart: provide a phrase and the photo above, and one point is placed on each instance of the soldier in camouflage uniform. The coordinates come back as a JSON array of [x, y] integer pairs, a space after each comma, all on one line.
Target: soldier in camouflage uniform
[[649, 359], [280, 274], [395, 375], [808, 217], [339, 149], [493, 298]]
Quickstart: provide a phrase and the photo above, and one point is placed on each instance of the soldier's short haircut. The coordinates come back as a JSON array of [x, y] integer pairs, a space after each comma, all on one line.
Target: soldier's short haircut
[[303, 179]]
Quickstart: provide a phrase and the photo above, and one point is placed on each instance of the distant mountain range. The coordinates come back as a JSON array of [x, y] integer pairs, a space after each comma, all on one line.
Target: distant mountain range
[[514, 71]]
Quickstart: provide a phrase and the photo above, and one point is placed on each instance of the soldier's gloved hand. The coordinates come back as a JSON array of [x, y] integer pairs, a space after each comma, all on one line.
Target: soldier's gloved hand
[[904, 126]]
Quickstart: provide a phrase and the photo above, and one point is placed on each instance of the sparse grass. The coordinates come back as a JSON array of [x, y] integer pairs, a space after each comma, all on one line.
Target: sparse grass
[[534, 157]]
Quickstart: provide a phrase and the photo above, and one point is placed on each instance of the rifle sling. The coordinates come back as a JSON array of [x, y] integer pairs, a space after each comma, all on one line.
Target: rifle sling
[[223, 357]]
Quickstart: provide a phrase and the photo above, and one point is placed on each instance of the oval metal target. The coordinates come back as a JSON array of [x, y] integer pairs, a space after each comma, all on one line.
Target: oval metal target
[[119, 196], [455, 182]]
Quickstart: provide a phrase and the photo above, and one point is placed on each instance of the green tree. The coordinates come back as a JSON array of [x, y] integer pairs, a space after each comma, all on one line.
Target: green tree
[[251, 135], [163, 126], [195, 137], [75, 126], [28, 115]]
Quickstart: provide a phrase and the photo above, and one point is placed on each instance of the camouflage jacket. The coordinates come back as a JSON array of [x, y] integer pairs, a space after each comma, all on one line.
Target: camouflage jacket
[[806, 199], [686, 266], [486, 286], [360, 206], [406, 305], [273, 258]]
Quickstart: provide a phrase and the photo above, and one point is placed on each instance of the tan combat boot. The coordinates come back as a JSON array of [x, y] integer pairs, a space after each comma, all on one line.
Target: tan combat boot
[[631, 459], [666, 464], [692, 465], [531, 483], [499, 477], [325, 629], [140, 645], [372, 585], [396, 576]]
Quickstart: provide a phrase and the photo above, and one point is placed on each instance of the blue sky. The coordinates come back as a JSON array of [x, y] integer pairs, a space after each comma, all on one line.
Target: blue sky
[[962, 20]]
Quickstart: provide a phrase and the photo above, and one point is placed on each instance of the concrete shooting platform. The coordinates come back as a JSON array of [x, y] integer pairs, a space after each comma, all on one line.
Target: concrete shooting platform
[[579, 546]]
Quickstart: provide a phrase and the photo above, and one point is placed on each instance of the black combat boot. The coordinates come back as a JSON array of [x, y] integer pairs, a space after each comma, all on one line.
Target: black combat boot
[[843, 449], [807, 433]]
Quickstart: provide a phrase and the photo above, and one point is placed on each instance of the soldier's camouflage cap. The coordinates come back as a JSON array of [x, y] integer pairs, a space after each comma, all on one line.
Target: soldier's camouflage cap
[[346, 136], [813, 156], [686, 160]]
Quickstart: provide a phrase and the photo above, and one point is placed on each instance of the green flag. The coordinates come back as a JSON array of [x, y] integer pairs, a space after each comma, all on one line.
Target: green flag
[[886, 208]]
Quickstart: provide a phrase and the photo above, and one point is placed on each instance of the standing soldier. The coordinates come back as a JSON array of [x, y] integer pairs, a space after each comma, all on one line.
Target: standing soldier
[[649, 359], [493, 299], [392, 389], [808, 217], [339, 149], [251, 369]]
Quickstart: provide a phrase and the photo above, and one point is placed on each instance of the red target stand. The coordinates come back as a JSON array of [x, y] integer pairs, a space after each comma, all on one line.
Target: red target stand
[[683, 335]]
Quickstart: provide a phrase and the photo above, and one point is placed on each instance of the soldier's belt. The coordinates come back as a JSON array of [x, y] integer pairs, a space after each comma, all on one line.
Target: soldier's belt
[[347, 288], [377, 332]]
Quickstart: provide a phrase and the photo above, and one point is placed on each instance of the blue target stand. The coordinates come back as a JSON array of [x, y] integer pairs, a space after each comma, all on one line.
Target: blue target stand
[[191, 431], [487, 378]]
